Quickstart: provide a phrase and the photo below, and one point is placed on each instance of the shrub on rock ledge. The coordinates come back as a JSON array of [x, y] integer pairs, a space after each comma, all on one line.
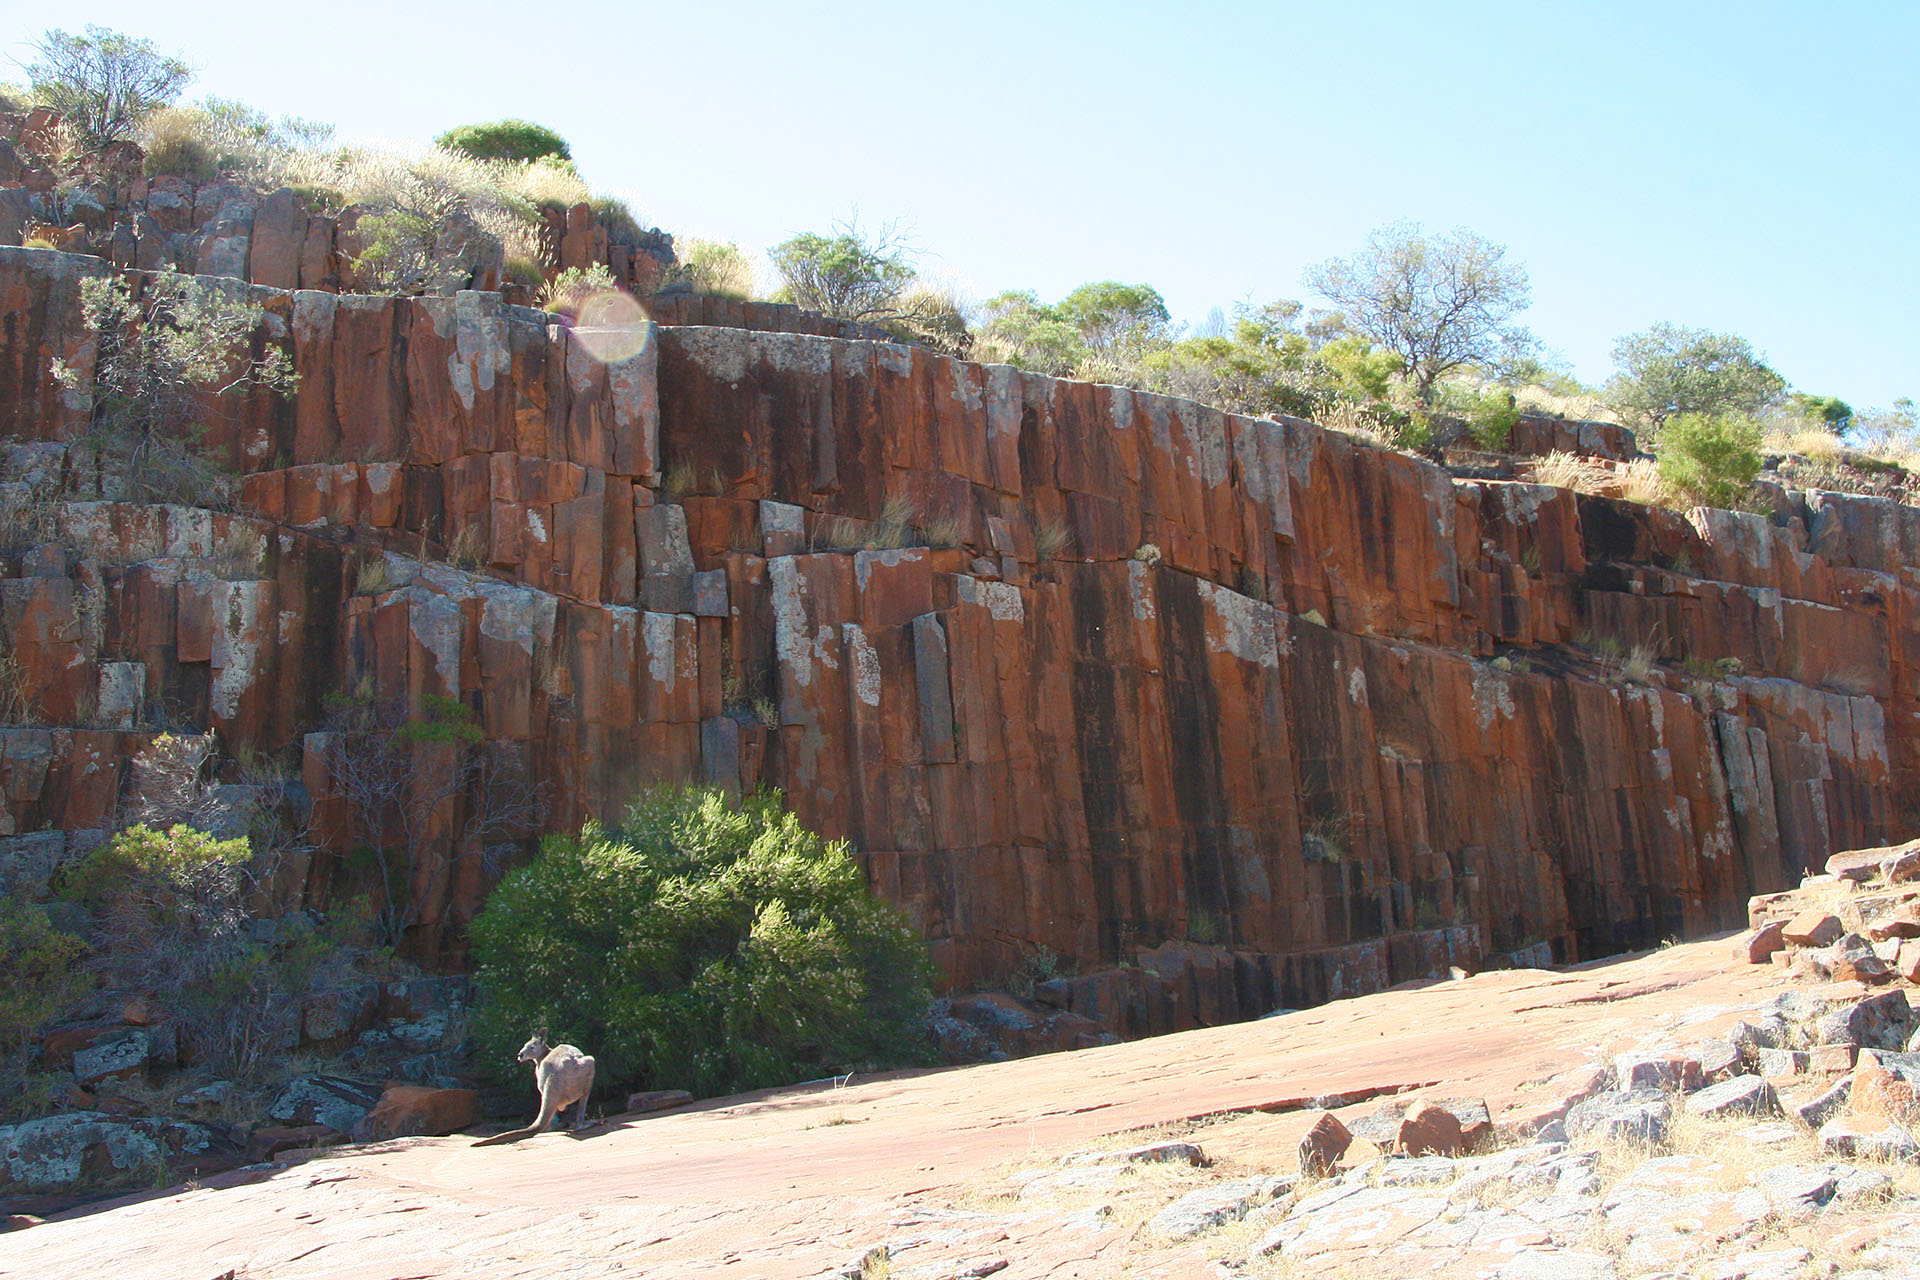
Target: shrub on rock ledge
[[701, 945]]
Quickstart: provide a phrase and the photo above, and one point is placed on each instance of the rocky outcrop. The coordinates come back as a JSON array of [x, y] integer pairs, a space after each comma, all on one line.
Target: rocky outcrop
[[1227, 713]]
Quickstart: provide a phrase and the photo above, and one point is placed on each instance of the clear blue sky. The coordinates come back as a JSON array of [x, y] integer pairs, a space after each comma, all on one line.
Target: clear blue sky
[[1752, 167]]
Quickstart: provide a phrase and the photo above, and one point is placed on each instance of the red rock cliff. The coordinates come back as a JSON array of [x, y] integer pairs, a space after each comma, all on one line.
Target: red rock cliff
[[1343, 723]]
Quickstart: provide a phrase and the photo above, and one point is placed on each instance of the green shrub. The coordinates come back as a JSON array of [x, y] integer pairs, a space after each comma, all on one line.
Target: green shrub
[[1709, 458], [39, 976], [700, 945], [848, 276], [519, 140], [1489, 412], [169, 917]]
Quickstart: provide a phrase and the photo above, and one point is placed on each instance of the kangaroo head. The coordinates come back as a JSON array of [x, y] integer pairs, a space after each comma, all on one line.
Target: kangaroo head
[[534, 1049]]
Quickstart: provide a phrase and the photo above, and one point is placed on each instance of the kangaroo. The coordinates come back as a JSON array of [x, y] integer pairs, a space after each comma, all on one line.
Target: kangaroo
[[564, 1076]]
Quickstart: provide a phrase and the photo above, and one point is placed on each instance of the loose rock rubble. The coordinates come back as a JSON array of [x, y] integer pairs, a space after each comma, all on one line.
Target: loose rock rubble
[[1782, 1146]]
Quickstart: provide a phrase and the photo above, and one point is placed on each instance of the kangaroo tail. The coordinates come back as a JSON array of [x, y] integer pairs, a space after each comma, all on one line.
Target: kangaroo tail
[[511, 1135]]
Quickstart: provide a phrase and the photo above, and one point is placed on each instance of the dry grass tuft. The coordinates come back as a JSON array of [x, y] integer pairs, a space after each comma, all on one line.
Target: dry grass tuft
[[1052, 539], [1571, 471]]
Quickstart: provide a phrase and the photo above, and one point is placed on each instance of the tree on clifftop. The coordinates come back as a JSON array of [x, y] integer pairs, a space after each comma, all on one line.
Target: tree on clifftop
[[103, 83], [1436, 302], [847, 275], [1670, 370], [515, 140]]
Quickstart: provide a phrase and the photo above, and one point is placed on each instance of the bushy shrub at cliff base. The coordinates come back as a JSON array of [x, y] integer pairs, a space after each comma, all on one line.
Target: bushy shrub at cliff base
[[700, 945]]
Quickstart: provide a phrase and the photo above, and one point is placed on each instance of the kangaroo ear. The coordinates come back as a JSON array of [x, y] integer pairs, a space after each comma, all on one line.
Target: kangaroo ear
[[541, 1034]]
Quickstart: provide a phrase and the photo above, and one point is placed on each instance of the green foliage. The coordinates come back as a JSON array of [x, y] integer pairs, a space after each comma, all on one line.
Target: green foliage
[[1436, 302], [1361, 371], [1670, 370], [39, 971], [174, 861], [1489, 412], [1262, 367], [510, 139], [1831, 412], [846, 275], [1709, 458], [700, 945], [103, 83], [168, 356], [402, 253], [1017, 328], [1112, 317]]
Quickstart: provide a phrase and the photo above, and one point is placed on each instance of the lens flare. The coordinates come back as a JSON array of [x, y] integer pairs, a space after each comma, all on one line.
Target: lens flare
[[612, 326]]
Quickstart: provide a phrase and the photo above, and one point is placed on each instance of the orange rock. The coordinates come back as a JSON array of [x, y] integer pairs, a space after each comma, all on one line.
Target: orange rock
[[1759, 945], [1878, 1091], [1813, 928], [1324, 1144], [406, 1110], [1429, 1129]]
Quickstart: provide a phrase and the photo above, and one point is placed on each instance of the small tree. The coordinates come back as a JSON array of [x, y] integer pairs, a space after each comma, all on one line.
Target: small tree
[[1830, 412], [425, 793], [1437, 302], [1670, 370], [513, 140], [103, 83], [1712, 460], [701, 945], [717, 267], [1017, 328], [846, 275], [1115, 318], [165, 359]]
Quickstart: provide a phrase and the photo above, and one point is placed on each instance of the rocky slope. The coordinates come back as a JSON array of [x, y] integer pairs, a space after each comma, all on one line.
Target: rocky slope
[[1685, 1112]]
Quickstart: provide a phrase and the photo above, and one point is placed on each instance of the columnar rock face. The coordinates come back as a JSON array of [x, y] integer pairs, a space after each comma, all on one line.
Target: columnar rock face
[[1227, 713]]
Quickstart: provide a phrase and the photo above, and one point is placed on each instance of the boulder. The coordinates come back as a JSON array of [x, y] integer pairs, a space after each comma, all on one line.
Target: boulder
[[1205, 1209], [338, 1102], [1757, 946], [1429, 1129], [1902, 868], [1813, 927], [1884, 1087], [1883, 1021], [1819, 1108], [115, 1056], [1857, 865], [1797, 1188], [60, 1151], [1740, 1096], [1642, 1115], [1656, 1069], [1854, 1138], [1718, 1059], [408, 1111], [1325, 1143]]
